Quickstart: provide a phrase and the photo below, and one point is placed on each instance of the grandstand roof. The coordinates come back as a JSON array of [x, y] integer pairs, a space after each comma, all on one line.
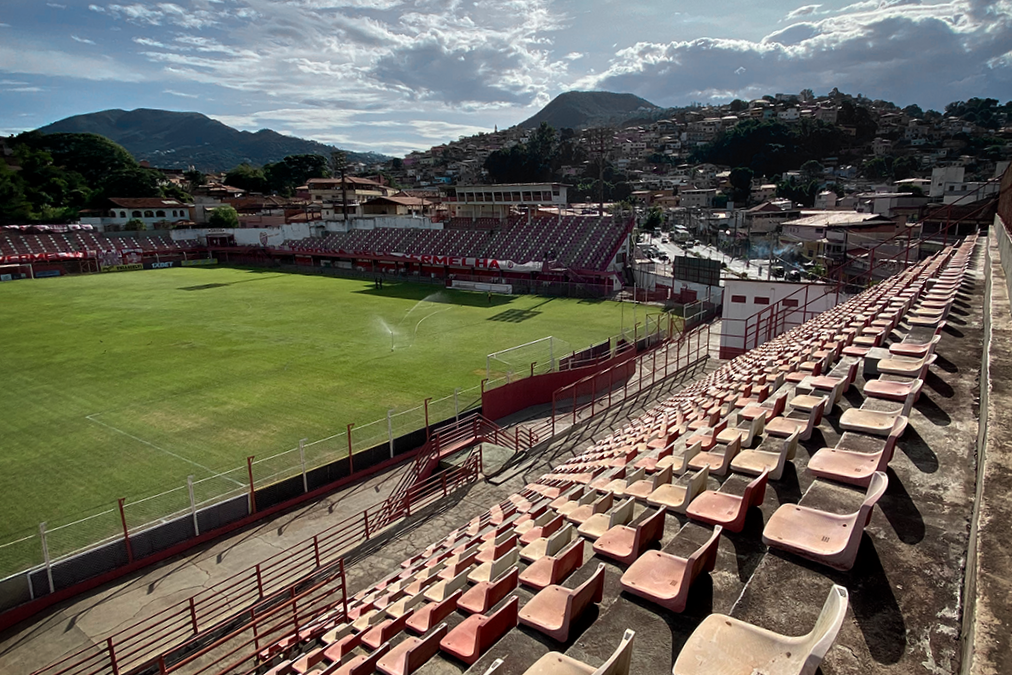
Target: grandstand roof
[[838, 219]]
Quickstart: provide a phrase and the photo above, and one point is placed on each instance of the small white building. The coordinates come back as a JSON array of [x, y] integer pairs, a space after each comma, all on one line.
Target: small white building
[[154, 212], [757, 311]]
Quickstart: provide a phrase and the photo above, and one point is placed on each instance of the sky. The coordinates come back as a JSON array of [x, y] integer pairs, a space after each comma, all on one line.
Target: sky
[[394, 76]]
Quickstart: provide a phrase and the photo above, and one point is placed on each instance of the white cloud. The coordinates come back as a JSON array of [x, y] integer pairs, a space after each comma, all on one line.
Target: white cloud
[[23, 90], [804, 10], [159, 14], [55, 5], [179, 93], [929, 54], [34, 60], [5, 25], [82, 40]]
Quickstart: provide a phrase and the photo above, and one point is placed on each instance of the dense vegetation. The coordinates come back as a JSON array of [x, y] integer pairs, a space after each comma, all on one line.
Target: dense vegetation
[[542, 157], [770, 148], [52, 177]]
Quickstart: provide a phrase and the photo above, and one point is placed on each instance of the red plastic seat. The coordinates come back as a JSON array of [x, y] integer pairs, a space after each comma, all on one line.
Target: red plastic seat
[[486, 594], [554, 609], [665, 579], [422, 620], [358, 665], [625, 543], [728, 510], [409, 655], [477, 633], [554, 568]]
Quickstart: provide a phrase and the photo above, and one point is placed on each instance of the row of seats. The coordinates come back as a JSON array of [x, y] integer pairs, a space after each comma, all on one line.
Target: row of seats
[[577, 242], [85, 244], [745, 418]]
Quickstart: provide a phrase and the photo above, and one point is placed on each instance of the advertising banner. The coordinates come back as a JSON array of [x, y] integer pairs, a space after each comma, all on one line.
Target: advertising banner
[[122, 268], [199, 262]]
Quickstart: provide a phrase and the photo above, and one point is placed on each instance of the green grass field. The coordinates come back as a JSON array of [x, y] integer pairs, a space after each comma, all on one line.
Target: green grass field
[[122, 385]]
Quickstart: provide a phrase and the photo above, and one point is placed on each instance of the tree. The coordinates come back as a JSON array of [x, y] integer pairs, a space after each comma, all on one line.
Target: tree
[[737, 105], [194, 179], [654, 219], [223, 217], [248, 178], [914, 110], [294, 170], [741, 180], [811, 170], [806, 95], [134, 225], [130, 182]]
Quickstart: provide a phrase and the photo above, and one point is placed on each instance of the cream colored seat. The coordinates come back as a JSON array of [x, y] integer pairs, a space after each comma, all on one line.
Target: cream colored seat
[[723, 645], [555, 663]]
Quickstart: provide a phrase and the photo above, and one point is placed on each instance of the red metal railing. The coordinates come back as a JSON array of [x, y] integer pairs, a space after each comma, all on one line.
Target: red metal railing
[[180, 623], [597, 393], [466, 431]]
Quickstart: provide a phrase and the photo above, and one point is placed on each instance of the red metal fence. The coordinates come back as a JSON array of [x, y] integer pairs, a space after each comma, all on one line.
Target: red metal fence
[[179, 624], [597, 393]]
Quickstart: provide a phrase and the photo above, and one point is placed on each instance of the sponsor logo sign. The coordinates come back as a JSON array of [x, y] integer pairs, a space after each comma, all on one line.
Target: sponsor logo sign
[[123, 268]]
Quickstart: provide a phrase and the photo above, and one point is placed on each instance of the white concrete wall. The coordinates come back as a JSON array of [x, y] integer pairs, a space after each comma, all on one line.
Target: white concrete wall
[[373, 222], [819, 298], [250, 236]]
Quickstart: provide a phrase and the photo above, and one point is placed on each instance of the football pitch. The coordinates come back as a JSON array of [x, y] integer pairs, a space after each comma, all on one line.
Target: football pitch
[[122, 385]]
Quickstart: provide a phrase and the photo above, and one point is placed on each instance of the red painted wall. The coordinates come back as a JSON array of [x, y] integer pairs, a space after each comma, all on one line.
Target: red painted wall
[[514, 397]]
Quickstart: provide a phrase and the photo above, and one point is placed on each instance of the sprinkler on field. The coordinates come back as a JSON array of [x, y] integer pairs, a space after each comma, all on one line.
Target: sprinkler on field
[[390, 330]]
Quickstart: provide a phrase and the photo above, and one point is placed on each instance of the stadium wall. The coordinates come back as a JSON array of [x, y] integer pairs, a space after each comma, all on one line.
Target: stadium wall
[[25, 594], [539, 389]]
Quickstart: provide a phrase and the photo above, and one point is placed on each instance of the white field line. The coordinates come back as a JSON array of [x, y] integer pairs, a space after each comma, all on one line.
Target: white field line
[[91, 418]]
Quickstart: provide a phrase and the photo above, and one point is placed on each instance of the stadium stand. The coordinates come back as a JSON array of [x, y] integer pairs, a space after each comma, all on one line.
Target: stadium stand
[[575, 242], [601, 489], [84, 245]]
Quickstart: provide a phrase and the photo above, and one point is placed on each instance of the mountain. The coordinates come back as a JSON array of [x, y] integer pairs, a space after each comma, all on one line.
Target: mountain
[[582, 109], [180, 139]]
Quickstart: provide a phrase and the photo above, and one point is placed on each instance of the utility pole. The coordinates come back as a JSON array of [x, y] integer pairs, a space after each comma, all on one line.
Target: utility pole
[[339, 164], [600, 143]]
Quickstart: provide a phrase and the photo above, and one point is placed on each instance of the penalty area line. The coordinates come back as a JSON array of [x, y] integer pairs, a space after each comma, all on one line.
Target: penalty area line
[[91, 418]]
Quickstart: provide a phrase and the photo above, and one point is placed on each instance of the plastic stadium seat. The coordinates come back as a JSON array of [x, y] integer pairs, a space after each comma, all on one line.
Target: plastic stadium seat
[[423, 619], [539, 548], [493, 569], [717, 459], [772, 455], [553, 569], [383, 631], [543, 531], [410, 654], [480, 597], [664, 579], [642, 489], [556, 663], [857, 457], [723, 644], [443, 589], [868, 422], [728, 510], [553, 610], [475, 634], [822, 537], [678, 495], [625, 543], [358, 665], [599, 523]]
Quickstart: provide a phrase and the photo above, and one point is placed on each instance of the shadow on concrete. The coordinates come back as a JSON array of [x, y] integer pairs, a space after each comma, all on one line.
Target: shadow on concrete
[[943, 388], [748, 546], [945, 364], [901, 512], [923, 457], [932, 411], [872, 600], [787, 488]]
